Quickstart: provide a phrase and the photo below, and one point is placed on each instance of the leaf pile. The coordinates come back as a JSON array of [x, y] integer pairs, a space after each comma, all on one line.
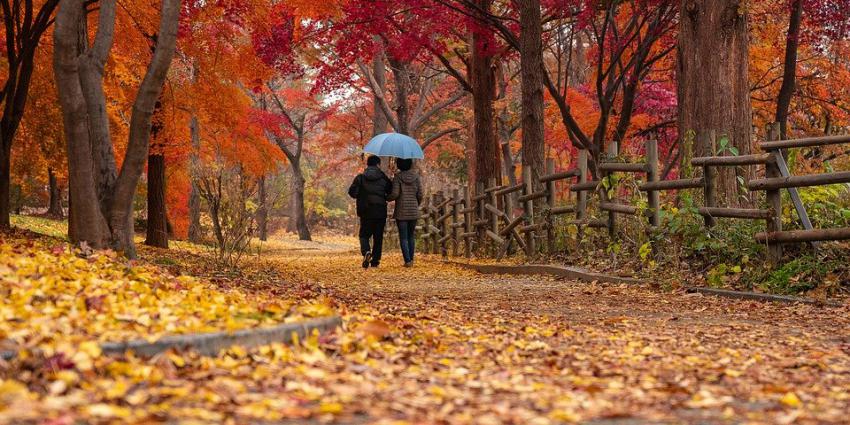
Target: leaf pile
[[436, 344]]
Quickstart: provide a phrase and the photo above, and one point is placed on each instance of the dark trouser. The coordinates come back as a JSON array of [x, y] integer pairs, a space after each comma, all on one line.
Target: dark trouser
[[407, 238], [371, 228]]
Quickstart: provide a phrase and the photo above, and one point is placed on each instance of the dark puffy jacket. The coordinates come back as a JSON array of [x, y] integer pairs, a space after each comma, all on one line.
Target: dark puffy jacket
[[370, 189], [407, 194]]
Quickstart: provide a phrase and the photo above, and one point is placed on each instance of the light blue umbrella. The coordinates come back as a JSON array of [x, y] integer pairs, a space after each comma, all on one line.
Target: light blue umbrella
[[395, 145]]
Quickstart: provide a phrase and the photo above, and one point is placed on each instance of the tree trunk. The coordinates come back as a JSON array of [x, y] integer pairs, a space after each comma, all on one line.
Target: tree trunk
[[5, 181], [54, 208], [789, 72], [86, 221], [262, 210], [157, 225], [483, 81], [531, 68], [713, 86], [401, 77], [104, 219], [298, 212], [195, 233], [379, 70]]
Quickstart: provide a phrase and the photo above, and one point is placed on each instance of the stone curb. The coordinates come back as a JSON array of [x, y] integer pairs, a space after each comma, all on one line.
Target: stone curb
[[573, 273], [210, 344], [742, 295]]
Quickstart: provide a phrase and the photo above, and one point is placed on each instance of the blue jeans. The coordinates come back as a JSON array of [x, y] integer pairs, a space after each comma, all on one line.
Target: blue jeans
[[407, 238]]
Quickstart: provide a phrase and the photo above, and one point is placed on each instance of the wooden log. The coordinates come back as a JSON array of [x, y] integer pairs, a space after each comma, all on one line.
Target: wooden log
[[562, 210], [433, 229], [532, 228], [468, 210], [468, 234], [672, 184], [585, 186], [746, 213], [532, 196], [477, 198], [622, 167], [804, 143], [482, 222], [553, 176], [509, 189], [715, 161], [456, 222], [512, 225], [618, 208], [652, 176], [494, 188], [444, 239], [458, 225], [445, 216], [796, 236], [776, 183], [596, 223], [495, 237], [495, 211]]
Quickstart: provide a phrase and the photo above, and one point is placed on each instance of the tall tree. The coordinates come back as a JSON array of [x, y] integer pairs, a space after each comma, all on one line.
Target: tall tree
[[714, 93], [789, 68], [25, 23], [101, 207], [531, 77]]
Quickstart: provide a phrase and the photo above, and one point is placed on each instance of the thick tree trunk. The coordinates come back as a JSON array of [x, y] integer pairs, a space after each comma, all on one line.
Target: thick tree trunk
[[379, 71], [54, 206], [789, 73], [713, 87], [104, 219], [531, 68], [482, 78], [298, 212], [157, 225], [195, 233], [262, 210], [401, 77], [86, 221]]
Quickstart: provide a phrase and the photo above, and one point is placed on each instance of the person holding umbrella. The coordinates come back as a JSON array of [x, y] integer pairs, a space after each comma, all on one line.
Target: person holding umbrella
[[370, 189], [406, 186]]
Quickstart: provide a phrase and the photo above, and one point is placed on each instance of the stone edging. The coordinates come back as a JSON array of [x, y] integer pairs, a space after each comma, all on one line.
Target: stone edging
[[560, 271], [742, 295], [211, 343]]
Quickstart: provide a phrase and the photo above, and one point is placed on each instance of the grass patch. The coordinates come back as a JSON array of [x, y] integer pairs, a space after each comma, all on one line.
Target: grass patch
[[42, 225]]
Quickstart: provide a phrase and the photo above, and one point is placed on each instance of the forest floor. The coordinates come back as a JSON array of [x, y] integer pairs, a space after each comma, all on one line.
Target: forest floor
[[437, 344]]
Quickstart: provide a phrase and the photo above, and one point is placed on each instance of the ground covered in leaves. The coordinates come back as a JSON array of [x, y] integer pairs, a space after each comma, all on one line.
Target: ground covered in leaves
[[436, 344]]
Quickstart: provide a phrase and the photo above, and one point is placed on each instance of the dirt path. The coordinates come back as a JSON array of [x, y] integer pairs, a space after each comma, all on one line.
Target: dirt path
[[465, 347]]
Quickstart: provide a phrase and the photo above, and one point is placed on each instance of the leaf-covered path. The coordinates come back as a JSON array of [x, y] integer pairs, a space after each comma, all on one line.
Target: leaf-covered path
[[464, 347]]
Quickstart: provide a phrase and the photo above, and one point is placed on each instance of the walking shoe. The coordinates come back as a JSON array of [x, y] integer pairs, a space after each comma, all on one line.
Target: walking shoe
[[366, 259], [408, 264]]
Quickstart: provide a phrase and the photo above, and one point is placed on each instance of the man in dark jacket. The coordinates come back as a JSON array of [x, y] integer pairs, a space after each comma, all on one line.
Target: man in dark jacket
[[371, 189]]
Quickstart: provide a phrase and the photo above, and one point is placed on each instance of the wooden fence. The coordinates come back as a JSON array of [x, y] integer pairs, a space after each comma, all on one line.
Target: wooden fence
[[493, 219]]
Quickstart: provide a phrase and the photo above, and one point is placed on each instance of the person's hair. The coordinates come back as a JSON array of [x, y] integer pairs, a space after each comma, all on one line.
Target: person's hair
[[404, 164], [373, 161]]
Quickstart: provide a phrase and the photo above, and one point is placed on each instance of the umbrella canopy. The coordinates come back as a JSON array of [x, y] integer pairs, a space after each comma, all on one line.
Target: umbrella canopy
[[395, 145]]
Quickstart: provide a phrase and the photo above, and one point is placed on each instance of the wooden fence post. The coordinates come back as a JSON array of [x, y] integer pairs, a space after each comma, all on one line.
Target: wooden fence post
[[774, 200], [467, 221], [480, 216], [435, 231], [550, 200], [456, 223], [652, 176], [709, 175], [581, 196], [613, 151], [528, 207], [493, 217]]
